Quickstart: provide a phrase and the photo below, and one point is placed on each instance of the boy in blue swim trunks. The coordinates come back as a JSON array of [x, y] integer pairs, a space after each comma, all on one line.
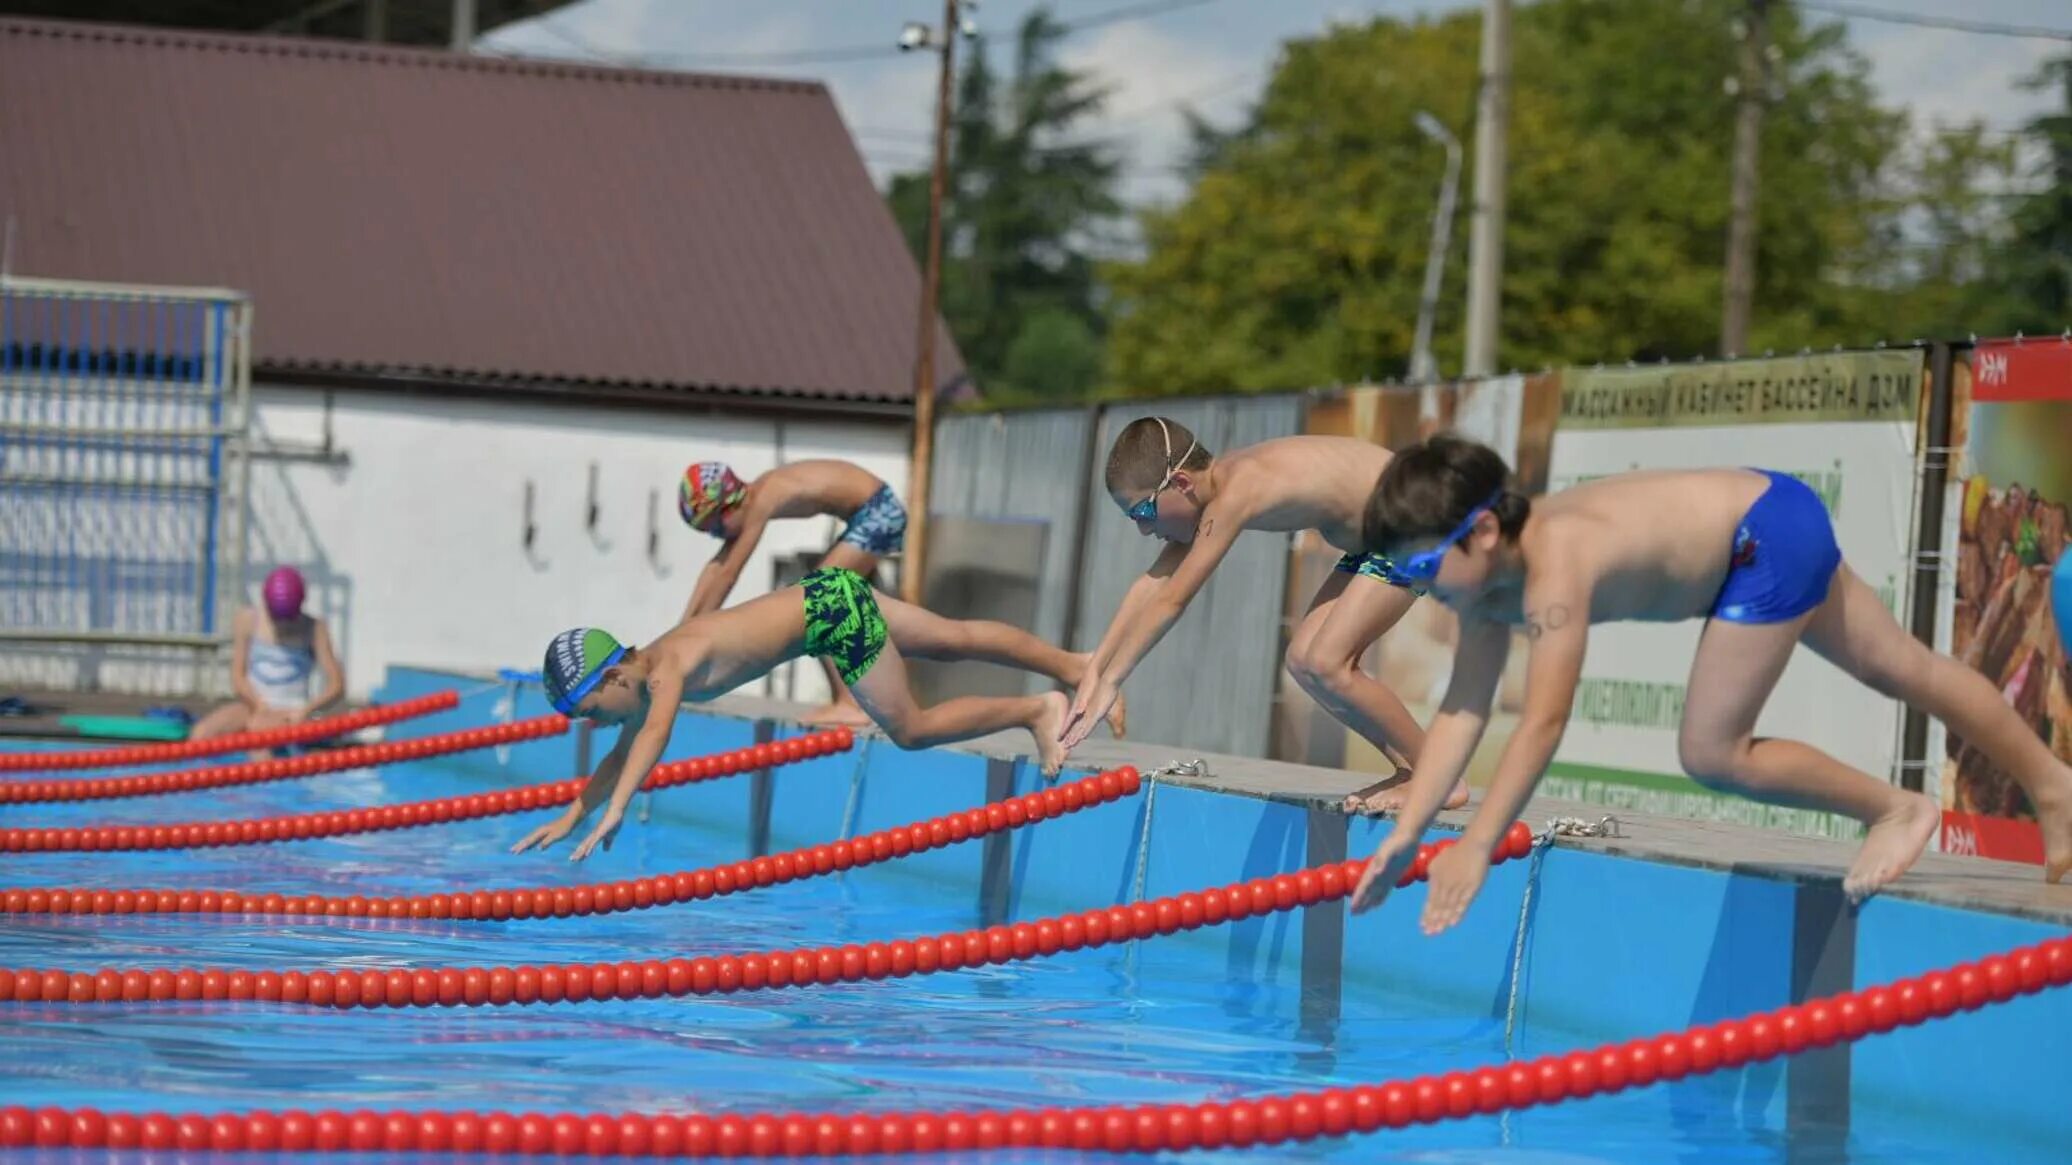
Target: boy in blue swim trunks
[[831, 614], [713, 500], [1162, 479], [1750, 552]]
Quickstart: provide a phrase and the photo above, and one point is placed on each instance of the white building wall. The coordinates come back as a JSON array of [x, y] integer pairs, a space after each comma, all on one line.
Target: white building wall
[[415, 550]]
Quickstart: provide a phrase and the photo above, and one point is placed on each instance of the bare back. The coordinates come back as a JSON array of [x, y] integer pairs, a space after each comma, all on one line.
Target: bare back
[[803, 489], [721, 650], [1302, 483], [1653, 546]]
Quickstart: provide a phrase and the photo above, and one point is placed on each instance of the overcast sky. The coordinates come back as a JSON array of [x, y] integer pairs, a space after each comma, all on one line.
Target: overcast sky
[[1211, 55]]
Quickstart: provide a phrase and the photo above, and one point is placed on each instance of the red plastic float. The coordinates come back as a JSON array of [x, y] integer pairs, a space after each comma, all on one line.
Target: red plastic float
[[604, 897], [1145, 1128], [338, 823], [337, 760], [153, 754], [373, 987]]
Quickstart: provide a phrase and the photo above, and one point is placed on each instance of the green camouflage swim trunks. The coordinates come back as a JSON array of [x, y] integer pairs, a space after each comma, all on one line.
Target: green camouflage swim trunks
[[843, 623]]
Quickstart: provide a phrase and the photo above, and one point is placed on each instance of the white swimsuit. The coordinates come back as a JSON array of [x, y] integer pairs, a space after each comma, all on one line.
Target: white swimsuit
[[279, 674]]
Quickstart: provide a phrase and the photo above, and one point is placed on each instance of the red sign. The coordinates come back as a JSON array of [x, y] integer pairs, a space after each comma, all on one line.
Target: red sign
[[2011, 370], [2006, 839]]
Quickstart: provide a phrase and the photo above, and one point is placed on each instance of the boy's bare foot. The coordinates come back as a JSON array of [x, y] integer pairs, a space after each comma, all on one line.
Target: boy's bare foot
[[1386, 797], [1049, 725], [838, 714], [2054, 818], [1892, 845], [1118, 716]]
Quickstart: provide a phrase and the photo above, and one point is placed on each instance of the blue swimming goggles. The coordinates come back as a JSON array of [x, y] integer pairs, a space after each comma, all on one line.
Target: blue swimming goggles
[[1423, 566], [1147, 510]]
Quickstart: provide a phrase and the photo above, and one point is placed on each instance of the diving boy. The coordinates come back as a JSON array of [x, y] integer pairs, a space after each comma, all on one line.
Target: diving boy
[[714, 500], [831, 614], [1751, 552], [1162, 479]]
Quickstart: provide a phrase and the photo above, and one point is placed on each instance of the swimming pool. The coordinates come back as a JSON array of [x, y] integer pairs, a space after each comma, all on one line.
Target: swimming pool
[[1615, 948]]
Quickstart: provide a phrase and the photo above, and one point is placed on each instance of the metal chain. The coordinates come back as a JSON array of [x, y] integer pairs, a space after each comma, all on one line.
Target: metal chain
[[849, 808], [1606, 826]]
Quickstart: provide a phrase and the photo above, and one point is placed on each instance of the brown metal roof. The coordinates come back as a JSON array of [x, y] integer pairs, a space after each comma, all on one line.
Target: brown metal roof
[[424, 215]]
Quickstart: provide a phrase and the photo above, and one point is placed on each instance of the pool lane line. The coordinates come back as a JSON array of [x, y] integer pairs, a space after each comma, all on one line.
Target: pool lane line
[[1144, 1128], [538, 983], [366, 819], [307, 732], [337, 760], [988, 821]]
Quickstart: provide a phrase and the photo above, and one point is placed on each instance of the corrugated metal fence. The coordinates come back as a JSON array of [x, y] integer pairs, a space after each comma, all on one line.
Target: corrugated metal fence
[[1210, 684]]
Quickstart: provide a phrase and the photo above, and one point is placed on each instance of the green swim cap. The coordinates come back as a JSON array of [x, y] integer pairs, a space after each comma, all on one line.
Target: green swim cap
[[576, 660]]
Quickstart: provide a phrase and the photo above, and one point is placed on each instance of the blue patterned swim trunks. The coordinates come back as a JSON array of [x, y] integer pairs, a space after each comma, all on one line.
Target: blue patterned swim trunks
[[879, 525], [1376, 566]]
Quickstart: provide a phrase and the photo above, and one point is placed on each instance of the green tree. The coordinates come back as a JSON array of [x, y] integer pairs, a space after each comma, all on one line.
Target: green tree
[[1297, 257], [1018, 288], [2038, 262]]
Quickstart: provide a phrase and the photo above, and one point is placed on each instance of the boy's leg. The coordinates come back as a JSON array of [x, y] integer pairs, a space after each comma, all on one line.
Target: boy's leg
[[883, 692], [841, 706], [1856, 633], [223, 721], [923, 634], [1732, 675], [1349, 613]]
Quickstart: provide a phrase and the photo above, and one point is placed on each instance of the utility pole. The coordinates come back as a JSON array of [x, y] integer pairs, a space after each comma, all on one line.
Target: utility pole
[[1486, 218], [1752, 93], [911, 573], [463, 25]]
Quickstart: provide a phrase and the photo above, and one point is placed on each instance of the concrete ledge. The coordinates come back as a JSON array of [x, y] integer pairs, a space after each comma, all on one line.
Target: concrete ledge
[[1965, 883]]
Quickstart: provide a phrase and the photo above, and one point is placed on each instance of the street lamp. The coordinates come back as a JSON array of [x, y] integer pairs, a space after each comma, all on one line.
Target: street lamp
[[913, 36], [1423, 369]]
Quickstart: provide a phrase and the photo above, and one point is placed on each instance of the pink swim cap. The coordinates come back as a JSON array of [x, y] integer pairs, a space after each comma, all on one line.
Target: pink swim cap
[[284, 591]]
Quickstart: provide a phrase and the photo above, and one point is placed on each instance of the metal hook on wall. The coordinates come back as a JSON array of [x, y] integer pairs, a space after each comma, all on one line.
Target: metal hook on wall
[[590, 515], [532, 529], [654, 541]]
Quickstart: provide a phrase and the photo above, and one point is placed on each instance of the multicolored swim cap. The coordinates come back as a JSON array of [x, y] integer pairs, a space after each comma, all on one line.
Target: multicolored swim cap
[[708, 490], [284, 592], [576, 660]]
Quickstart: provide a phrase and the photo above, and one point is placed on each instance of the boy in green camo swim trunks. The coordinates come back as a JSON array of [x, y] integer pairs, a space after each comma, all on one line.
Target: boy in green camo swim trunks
[[831, 614]]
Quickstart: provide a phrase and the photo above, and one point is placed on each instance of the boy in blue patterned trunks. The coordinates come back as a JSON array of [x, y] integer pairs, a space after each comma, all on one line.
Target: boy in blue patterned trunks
[[831, 614], [713, 500], [1751, 552], [1173, 489]]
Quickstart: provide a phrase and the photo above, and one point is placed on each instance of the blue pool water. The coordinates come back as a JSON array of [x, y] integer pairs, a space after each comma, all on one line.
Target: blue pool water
[[1173, 1019]]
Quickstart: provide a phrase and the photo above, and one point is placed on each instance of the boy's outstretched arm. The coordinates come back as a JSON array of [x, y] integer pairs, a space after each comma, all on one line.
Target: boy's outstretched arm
[[1557, 626], [1133, 600], [1157, 611], [595, 790], [665, 697], [717, 580], [1478, 666]]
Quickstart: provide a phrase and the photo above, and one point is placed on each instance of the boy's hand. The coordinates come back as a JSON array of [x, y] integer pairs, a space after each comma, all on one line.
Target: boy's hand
[[1456, 877], [607, 829], [1383, 871], [1090, 706], [546, 835]]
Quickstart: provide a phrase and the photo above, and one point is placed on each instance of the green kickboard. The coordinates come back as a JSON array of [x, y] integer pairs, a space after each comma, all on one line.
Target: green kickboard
[[126, 727]]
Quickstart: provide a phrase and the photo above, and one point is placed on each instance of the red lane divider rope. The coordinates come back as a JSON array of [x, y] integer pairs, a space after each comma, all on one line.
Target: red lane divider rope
[[340, 822], [305, 733], [258, 771], [374, 987], [1144, 1128], [605, 897]]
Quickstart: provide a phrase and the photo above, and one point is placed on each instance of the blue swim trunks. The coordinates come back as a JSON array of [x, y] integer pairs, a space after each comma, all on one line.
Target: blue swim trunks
[[1375, 566], [1784, 559], [879, 525]]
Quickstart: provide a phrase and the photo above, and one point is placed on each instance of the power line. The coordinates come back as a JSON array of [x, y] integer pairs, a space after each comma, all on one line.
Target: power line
[[1947, 23], [838, 53]]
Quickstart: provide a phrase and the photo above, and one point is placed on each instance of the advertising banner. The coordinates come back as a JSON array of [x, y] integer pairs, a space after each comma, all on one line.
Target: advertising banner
[[2013, 430], [1844, 423]]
